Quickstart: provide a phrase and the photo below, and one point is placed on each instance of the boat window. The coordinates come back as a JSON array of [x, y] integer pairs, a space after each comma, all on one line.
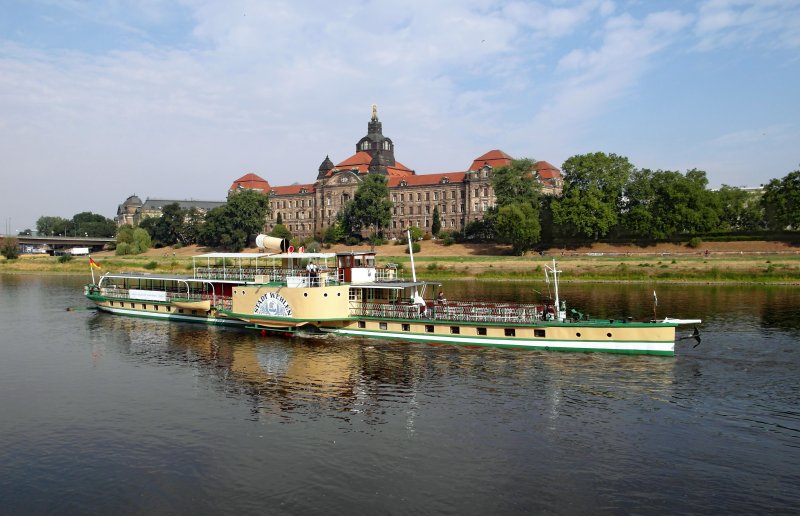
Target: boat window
[[169, 309], [156, 307], [578, 334], [455, 330], [406, 327], [144, 307], [481, 331], [382, 325], [538, 333], [429, 328], [194, 312], [608, 335], [362, 324], [510, 332]]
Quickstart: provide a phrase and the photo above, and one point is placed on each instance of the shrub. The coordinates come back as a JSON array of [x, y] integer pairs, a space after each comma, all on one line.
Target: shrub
[[10, 249], [695, 242], [151, 265], [352, 240], [123, 248], [415, 246], [64, 258]]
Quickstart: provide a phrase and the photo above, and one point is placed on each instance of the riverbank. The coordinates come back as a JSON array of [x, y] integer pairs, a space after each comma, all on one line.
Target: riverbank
[[724, 262]]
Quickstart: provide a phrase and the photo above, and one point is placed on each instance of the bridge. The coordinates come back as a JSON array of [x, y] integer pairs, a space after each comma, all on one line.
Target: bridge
[[58, 244]]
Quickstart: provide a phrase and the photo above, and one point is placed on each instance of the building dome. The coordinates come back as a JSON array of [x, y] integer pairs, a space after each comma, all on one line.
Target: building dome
[[132, 201], [325, 167]]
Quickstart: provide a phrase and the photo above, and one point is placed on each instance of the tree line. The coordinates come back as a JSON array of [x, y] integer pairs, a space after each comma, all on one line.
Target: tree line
[[604, 197]]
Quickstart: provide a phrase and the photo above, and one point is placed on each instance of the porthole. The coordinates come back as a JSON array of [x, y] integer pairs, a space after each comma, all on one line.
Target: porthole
[[325, 294], [578, 334], [338, 294], [608, 335], [305, 294]]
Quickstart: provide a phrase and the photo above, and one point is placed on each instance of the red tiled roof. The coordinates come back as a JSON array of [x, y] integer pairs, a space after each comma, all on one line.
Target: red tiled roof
[[250, 182], [427, 179], [546, 170], [361, 160], [292, 189], [495, 158]]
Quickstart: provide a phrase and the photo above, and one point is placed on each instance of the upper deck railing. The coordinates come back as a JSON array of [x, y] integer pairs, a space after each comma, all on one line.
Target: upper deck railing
[[455, 311]]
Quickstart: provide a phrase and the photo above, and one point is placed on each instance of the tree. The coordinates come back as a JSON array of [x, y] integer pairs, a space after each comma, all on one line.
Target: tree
[[663, 203], [10, 248], [592, 198], [334, 233], [231, 225], [281, 231], [169, 228], [92, 224], [370, 206], [517, 184], [515, 220], [52, 226], [518, 225], [781, 202], [739, 210], [436, 222], [132, 240]]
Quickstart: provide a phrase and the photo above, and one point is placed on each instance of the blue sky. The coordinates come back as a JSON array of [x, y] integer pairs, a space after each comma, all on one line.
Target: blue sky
[[101, 100]]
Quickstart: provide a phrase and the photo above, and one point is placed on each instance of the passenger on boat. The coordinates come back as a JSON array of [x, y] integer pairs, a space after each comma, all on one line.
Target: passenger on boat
[[312, 273], [440, 298], [417, 300]]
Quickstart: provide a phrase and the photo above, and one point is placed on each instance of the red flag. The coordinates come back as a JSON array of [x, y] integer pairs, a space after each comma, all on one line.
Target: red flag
[[93, 263]]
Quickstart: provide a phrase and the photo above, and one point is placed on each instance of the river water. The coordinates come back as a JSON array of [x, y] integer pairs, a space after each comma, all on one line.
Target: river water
[[103, 414]]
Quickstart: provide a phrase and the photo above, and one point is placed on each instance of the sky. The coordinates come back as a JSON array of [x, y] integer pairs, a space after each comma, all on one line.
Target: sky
[[100, 100]]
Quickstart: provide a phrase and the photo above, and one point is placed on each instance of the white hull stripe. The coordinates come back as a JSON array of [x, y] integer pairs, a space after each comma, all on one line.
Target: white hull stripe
[[622, 346], [173, 316]]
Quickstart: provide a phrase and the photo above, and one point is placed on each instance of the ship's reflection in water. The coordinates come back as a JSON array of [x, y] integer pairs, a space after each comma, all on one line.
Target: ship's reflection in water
[[294, 379]]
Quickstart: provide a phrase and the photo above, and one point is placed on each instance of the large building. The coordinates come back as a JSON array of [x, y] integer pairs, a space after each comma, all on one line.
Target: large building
[[133, 211], [462, 197]]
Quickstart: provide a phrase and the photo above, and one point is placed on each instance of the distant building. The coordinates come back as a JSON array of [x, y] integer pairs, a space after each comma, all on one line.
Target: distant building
[[133, 211], [462, 196]]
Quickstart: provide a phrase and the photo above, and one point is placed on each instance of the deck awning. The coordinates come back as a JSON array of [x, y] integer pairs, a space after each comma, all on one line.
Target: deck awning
[[395, 285]]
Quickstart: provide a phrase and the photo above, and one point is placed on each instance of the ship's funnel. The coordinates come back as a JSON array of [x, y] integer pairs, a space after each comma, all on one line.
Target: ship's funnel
[[272, 243]]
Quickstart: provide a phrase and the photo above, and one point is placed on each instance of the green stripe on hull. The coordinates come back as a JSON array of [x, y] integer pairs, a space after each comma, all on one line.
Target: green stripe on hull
[[632, 348], [197, 319]]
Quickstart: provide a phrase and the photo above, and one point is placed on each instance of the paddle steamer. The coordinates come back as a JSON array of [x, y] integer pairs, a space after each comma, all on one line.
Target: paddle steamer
[[348, 294]]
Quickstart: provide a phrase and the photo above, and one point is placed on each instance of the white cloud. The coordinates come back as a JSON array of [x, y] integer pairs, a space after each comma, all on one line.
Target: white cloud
[[771, 23]]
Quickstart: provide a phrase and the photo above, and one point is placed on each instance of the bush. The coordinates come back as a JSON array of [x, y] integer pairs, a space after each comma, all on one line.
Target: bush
[[695, 242], [151, 265], [65, 258], [351, 240], [10, 249], [415, 246], [123, 248]]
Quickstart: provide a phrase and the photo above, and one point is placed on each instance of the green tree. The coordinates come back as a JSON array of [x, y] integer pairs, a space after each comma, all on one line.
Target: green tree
[[663, 203], [370, 206], [281, 231], [141, 241], [739, 210], [52, 226], [169, 228], [781, 202], [231, 225], [10, 248], [515, 220], [92, 224], [594, 186], [436, 222], [517, 184], [518, 225], [334, 233]]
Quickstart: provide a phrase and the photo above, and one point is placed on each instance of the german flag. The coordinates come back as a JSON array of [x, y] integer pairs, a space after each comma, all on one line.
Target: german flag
[[93, 263]]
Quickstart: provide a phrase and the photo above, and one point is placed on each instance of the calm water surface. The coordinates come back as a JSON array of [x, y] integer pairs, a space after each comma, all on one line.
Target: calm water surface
[[104, 414]]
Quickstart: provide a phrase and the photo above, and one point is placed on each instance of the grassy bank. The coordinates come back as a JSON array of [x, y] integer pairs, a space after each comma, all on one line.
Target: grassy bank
[[777, 268]]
